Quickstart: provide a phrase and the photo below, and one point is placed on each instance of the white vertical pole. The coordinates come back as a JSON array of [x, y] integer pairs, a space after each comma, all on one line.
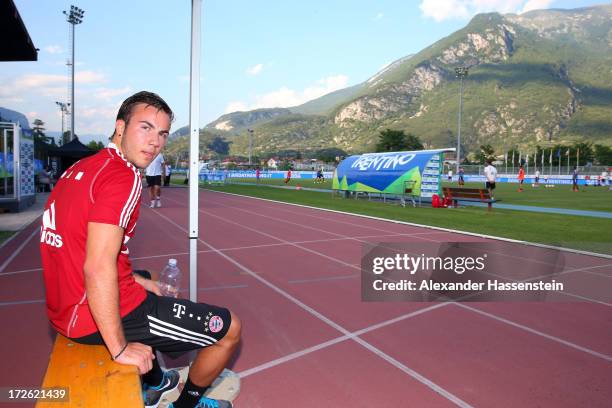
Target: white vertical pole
[[458, 155], [72, 104], [194, 156]]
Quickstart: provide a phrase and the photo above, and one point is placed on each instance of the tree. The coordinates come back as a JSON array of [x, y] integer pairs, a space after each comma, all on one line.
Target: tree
[[583, 151], [329, 155], [396, 140], [219, 145], [603, 155], [486, 153], [42, 142], [93, 145], [413, 142]]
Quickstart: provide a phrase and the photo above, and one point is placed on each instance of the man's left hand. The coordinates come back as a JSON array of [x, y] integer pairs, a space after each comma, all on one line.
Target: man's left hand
[[148, 284]]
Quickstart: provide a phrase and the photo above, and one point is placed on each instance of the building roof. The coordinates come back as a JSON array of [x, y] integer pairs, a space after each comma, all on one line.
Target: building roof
[[16, 42]]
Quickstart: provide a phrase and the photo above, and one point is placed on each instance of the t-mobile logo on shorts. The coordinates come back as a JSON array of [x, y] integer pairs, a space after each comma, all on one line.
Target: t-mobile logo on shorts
[[178, 310], [47, 235]]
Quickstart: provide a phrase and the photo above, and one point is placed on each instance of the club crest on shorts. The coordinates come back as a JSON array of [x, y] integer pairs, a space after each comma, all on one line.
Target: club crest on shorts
[[215, 324]]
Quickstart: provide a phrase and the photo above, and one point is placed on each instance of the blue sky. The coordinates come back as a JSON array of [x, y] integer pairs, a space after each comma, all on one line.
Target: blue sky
[[255, 54]]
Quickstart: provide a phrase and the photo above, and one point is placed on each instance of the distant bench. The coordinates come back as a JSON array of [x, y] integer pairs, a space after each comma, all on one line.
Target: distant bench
[[456, 194], [93, 378]]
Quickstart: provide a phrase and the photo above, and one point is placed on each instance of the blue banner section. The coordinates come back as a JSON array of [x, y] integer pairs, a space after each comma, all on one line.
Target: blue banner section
[[563, 179], [380, 170], [6, 167], [273, 174]]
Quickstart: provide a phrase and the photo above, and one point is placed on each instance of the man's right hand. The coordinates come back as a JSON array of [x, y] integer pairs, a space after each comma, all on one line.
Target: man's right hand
[[137, 354]]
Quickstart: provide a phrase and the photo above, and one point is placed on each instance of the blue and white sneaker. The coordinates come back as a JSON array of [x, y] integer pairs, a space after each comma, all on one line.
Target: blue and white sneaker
[[153, 395], [206, 402]]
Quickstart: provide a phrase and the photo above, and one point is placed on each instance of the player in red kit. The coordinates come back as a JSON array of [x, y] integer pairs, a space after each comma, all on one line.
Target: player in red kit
[[93, 297]]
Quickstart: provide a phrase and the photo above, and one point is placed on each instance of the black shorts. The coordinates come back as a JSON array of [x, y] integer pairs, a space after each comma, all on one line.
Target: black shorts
[[154, 180], [490, 184], [170, 324]]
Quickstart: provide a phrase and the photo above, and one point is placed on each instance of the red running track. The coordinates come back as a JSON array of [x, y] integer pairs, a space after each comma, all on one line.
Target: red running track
[[292, 275]]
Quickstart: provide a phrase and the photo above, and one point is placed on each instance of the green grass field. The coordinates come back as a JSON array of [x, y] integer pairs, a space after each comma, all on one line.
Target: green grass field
[[560, 196], [4, 235], [585, 233]]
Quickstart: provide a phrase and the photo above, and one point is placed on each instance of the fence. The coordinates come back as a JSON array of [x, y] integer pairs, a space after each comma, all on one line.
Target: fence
[[547, 169]]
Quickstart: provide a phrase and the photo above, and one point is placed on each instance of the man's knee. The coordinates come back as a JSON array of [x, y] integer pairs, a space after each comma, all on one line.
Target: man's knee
[[232, 337]]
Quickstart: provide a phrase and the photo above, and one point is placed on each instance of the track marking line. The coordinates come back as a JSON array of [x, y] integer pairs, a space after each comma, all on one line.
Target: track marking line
[[418, 237], [536, 332], [441, 391], [516, 241], [18, 250], [518, 325], [22, 302]]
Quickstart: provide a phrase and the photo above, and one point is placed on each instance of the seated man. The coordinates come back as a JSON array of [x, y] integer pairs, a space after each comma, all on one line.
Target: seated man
[[93, 297]]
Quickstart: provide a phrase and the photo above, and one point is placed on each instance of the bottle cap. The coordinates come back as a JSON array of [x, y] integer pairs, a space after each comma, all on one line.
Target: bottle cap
[[172, 262]]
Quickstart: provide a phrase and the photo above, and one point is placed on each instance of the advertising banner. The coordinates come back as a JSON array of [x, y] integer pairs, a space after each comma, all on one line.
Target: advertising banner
[[391, 172]]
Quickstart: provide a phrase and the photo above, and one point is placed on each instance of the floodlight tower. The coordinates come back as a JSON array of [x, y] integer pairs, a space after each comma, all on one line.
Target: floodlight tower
[[250, 144], [64, 108], [74, 17], [461, 73]]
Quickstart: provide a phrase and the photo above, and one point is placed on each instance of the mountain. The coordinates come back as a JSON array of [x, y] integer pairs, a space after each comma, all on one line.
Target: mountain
[[541, 77], [240, 121]]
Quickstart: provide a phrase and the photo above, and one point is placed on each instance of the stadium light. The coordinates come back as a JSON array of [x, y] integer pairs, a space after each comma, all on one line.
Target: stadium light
[[461, 73], [74, 17], [64, 108], [250, 144]]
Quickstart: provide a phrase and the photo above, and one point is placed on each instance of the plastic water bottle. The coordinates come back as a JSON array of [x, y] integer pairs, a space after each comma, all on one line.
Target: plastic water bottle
[[170, 279]]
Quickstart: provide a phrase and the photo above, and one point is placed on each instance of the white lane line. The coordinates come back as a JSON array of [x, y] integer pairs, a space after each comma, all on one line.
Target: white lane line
[[324, 279], [555, 275], [331, 342], [22, 302], [312, 241], [352, 224], [415, 235], [516, 241], [441, 391], [599, 274], [578, 347], [18, 250], [568, 293], [537, 332]]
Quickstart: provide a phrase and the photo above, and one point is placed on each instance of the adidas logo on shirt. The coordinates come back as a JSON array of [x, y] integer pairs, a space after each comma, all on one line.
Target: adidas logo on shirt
[[48, 236]]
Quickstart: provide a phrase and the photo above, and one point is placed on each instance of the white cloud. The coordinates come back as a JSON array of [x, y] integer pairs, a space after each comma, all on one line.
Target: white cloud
[[30, 81], [441, 10], [236, 106], [54, 49], [110, 93], [379, 16], [254, 70], [97, 120], [536, 5], [285, 97], [89, 77]]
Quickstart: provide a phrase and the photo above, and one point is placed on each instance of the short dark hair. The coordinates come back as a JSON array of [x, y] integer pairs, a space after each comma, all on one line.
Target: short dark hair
[[149, 99]]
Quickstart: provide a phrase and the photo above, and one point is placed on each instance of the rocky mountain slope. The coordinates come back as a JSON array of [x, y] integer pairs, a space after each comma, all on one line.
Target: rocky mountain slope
[[541, 77]]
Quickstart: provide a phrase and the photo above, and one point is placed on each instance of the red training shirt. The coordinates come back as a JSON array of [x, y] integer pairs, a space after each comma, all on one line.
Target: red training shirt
[[103, 188]]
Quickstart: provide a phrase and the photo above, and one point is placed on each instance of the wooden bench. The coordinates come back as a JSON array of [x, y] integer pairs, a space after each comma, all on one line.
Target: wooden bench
[[93, 378], [456, 194]]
